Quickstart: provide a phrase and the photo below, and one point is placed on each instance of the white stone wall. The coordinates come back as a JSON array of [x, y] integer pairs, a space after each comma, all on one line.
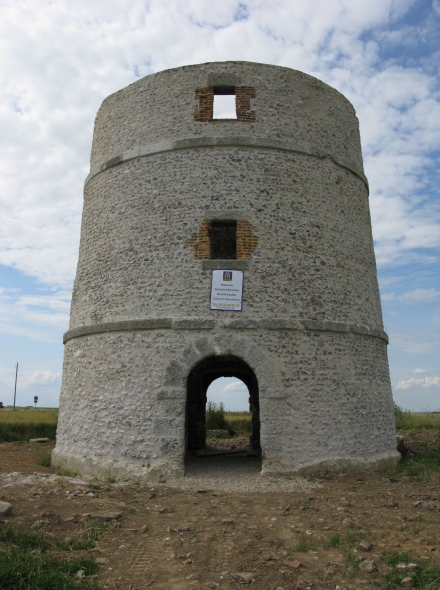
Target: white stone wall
[[314, 257], [324, 398], [289, 106], [311, 326]]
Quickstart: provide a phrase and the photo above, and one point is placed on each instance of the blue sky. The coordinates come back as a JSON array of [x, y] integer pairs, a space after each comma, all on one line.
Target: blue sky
[[60, 59]]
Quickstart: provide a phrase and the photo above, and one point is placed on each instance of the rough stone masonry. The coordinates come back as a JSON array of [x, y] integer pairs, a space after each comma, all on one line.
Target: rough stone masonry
[[277, 193]]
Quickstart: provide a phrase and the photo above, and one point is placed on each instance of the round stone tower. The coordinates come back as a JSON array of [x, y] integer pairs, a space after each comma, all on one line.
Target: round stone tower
[[225, 247]]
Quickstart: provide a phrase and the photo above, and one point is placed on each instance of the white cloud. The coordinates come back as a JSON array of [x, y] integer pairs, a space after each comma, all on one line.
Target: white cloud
[[236, 386], [43, 317], [415, 342], [419, 371], [7, 378], [414, 383], [41, 378], [419, 295], [386, 297]]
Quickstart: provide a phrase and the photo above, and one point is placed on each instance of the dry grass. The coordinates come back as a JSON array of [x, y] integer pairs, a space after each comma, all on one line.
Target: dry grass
[[239, 422], [26, 415], [26, 423]]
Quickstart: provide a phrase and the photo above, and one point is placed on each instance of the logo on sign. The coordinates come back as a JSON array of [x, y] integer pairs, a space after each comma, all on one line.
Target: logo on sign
[[227, 275]]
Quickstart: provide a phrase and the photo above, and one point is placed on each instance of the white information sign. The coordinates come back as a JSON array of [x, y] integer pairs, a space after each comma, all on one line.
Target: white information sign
[[227, 290]]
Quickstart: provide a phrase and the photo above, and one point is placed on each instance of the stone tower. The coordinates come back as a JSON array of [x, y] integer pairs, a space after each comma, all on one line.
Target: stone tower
[[236, 247]]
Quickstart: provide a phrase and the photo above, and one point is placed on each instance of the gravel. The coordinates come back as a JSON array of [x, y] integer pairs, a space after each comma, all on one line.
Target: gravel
[[214, 473], [235, 474]]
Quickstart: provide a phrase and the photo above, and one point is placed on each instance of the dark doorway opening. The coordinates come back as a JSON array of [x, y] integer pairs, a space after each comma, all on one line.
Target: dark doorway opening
[[199, 379]]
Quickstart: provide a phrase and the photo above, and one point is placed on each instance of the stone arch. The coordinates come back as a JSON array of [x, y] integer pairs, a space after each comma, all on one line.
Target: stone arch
[[231, 342], [200, 378]]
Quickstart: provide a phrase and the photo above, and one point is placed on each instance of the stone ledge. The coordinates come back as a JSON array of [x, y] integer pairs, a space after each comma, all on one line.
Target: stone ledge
[[225, 264], [282, 324], [121, 326], [222, 141]]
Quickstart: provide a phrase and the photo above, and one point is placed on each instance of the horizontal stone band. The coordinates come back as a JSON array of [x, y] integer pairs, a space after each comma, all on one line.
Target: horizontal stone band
[[232, 141], [229, 324]]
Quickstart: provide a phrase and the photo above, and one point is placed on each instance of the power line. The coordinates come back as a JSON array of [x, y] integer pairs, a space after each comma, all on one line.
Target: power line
[[408, 280], [408, 265], [413, 271]]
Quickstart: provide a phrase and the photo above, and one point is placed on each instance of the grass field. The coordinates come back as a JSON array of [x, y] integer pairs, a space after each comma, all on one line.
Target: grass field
[[239, 422], [26, 423], [409, 421]]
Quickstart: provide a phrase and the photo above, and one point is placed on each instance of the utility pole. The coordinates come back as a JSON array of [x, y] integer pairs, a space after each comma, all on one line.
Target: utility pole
[[15, 388]]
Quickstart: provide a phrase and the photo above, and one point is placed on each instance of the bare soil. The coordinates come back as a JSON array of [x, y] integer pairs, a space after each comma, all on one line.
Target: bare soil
[[164, 537]]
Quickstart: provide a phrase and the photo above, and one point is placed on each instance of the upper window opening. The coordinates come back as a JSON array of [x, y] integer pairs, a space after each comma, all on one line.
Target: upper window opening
[[223, 240], [224, 103]]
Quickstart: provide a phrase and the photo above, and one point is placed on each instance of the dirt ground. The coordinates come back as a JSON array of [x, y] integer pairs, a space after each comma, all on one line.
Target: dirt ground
[[161, 537]]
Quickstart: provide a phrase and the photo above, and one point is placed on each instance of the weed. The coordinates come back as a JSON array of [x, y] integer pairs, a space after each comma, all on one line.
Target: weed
[[305, 545], [45, 460], [353, 560], [421, 466], [86, 539], [66, 473], [394, 559], [426, 576], [215, 416], [353, 538], [416, 531], [334, 541]]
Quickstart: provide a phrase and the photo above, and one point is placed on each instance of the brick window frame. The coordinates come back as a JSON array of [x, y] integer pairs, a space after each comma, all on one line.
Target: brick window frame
[[243, 95], [246, 240]]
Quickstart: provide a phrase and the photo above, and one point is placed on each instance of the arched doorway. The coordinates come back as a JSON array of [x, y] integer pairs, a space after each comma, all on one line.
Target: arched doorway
[[199, 379]]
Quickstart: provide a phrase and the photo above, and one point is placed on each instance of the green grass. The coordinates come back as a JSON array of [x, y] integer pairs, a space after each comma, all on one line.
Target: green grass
[[306, 544], [408, 421], [215, 416], [45, 460], [26, 564], [334, 541], [13, 536], [426, 576], [26, 423], [418, 466]]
